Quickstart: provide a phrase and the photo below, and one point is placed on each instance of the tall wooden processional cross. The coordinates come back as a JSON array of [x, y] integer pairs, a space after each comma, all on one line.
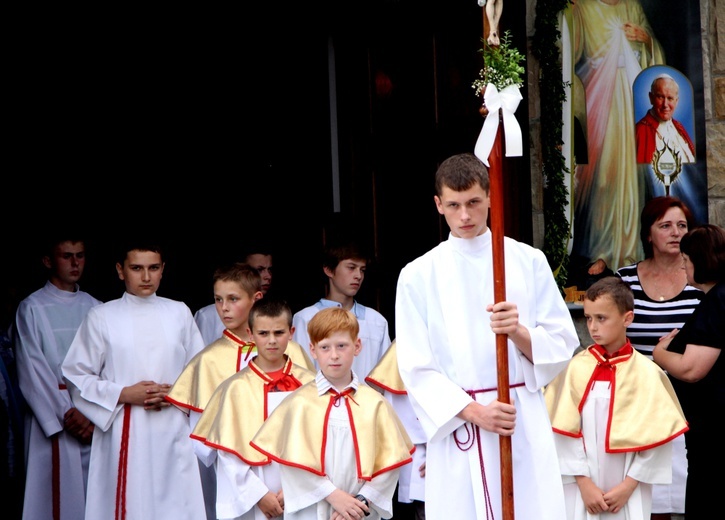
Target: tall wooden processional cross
[[491, 17]]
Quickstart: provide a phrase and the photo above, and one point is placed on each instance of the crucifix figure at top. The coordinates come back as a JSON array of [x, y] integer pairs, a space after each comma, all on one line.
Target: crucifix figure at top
[[494, 8]]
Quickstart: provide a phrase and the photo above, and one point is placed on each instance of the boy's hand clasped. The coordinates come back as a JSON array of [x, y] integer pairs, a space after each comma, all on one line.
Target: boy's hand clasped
[[155, 394], [346, 506], [148, 394], [78, 425]]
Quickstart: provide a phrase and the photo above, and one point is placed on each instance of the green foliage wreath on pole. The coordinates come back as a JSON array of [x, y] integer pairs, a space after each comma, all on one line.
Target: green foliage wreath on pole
[[546, 49], [501, 65]]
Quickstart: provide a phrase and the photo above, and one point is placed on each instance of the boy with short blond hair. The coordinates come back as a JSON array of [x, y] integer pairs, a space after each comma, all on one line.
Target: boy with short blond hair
[[259, 256], [236, 289], [614, 414], [354, 442], [248, 483]]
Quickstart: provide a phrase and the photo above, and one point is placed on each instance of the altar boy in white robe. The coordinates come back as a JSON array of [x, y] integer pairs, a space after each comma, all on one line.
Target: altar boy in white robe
[[446, 327], [248, 483], [119, 368], [385, 377], [615, 413], [339, 443], [58, 435]]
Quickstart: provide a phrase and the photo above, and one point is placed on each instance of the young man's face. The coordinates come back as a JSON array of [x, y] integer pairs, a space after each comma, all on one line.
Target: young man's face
[[233, 304], [141, 271], [607, 325], [66, 265], [263, 264], [335, 355], [271, 335], [465, 212], [347, 277]]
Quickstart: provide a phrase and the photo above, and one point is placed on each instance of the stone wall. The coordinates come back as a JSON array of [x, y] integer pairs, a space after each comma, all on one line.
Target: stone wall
[[712, 13]]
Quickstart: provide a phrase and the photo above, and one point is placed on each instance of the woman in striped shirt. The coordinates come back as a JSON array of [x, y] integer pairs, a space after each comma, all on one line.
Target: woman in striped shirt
[[663, 300]]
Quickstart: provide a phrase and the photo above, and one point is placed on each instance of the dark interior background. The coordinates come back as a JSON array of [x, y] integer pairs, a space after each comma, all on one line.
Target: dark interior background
[[212, 127]]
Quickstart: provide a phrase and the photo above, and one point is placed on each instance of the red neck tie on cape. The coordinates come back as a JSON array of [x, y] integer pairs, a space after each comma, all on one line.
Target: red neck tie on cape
[[604, 371], [282, 382], [335, 395]]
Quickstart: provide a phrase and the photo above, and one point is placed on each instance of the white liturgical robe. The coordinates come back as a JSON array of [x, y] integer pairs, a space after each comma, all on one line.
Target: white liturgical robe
[[447, 358], [46, 322], [120, 343], [652, 466]]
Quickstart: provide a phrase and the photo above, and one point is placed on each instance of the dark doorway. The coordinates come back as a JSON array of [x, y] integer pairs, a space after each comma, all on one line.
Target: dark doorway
[[295, 122]]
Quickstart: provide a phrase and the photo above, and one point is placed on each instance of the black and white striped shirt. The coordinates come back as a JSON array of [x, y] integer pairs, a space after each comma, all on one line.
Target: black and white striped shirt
[[653, 319]]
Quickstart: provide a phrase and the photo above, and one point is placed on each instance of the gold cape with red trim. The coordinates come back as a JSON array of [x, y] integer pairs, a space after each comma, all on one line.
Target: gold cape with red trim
[[382, 444], [216, 362], [238, 408], [385, 374], [644, 409]]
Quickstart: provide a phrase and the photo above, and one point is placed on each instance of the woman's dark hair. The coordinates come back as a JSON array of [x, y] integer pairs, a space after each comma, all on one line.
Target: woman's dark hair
[[654, 210], [705, 245]]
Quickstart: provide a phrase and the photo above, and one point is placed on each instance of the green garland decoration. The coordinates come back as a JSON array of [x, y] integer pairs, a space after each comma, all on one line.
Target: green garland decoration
[[501, 65], [545, 48]]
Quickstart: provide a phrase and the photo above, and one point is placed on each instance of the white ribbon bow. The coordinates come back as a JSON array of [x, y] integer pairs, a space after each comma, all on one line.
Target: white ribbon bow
[[508, 100]]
